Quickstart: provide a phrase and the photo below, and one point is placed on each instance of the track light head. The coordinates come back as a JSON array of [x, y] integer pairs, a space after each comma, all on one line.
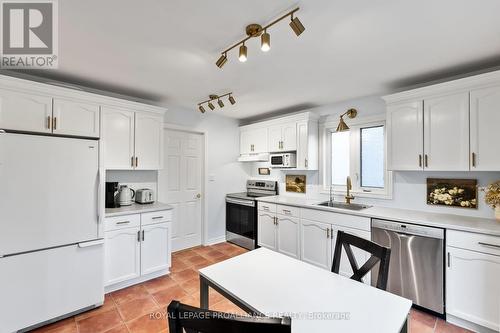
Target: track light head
[[220, 103], [222, 60], [243, 53], [211, 106], [265, 42], [296, 25], [201, 108], [232, 100]]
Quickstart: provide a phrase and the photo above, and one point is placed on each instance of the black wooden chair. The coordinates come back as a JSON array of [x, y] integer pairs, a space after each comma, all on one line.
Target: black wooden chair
[[185, 318], [378, 254]]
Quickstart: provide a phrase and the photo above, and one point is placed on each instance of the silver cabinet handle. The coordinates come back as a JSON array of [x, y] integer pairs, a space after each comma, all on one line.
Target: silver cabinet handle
[[157, 217], [54, 123], [143, 235], [426, 160], [327, 233], [49, 122], [123, 222], [489, 245], [306, 163], [420, 160], [474, 160], [286, 211], [449, 259], [139, 236]]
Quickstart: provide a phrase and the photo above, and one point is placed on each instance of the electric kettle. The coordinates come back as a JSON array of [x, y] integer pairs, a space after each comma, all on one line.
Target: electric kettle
[[125, 195]]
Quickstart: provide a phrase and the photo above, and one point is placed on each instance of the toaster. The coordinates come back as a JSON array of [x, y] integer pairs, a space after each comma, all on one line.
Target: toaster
[[144, 196]]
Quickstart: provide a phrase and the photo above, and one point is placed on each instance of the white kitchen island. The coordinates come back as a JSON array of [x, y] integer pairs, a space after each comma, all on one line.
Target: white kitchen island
[[268, 283]]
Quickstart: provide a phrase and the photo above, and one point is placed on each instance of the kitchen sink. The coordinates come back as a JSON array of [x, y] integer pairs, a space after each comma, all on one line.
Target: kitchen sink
[[342, 205]]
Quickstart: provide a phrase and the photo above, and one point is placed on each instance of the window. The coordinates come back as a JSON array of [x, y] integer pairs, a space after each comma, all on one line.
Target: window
[[358, 153]]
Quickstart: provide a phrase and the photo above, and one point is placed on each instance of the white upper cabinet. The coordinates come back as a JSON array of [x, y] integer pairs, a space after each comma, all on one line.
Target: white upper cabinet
[[75, 118], [446, 133], [118, 138], [307, 145], [25, 112], [484, 125], [148, 141], [253, 141], [283, 137], [405, 136]]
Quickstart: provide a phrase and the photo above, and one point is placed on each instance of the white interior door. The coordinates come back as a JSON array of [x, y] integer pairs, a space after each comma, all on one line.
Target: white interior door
[[181, 186]]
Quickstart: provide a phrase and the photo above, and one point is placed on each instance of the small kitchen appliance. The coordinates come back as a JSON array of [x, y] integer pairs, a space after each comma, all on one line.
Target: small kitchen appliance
[[125, 196], [284, 160], [111, 190], [144, 196]]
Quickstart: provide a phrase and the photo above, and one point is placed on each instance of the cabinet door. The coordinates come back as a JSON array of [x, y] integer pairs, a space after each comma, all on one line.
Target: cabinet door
[[316, 246], [155, 248], [275, 138], [289, 134], [148, 141], [266, 230], [360, 255], [259, 140], [245, 142], [75, 118], [288, 236], [472, 288], [122, 255], [405, 136], [484, 120], [302, 146], [446, 133], [118, 138], [25, 112]]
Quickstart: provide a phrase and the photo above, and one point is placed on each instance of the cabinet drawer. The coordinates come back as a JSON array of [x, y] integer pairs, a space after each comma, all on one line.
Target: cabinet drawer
[[267, 207], [475, 242], [156, 217], [122, 222], [288, 210], [337, 219]]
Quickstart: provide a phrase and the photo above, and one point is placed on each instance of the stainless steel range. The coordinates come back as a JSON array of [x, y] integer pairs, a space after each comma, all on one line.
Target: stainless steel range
[[241, 212]]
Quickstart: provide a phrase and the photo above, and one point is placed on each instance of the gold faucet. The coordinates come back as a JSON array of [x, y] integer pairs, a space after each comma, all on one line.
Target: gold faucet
[[349, 196]]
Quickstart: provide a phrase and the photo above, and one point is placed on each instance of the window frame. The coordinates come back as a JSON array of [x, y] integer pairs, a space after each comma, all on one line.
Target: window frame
[[328, 127]]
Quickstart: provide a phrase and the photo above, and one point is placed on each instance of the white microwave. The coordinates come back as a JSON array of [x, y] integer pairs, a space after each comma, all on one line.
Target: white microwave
[[285, 160]]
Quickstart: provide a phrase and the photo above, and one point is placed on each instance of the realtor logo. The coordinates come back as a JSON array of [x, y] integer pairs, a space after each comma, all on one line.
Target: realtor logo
[[29, 34]]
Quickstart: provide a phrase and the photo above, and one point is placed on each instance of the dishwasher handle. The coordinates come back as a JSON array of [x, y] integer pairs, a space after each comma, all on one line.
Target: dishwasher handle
[[409, 229]]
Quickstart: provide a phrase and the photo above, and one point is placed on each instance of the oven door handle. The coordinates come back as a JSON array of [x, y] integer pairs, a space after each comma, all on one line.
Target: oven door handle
[[241, 202]]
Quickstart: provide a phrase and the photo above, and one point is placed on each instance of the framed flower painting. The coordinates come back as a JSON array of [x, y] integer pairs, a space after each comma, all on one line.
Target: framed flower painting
[[452, 192]]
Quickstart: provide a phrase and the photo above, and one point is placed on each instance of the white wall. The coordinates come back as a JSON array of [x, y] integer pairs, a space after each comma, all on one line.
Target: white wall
[[409, 187], [222, 135]]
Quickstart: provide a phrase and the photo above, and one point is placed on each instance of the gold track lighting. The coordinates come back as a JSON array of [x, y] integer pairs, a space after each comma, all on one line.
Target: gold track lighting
[[222, 61], [243, 53], [265, 42], [351, 113], [256, 30], [296, 25], [212, 98]]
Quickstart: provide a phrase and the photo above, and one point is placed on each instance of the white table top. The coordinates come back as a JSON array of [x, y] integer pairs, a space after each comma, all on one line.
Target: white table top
[[273, 284]]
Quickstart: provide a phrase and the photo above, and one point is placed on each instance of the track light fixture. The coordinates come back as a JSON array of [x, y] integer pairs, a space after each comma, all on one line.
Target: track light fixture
[[256, 30], [213, 98]]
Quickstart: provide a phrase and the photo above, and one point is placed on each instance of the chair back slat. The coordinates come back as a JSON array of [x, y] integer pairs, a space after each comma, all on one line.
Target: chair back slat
[[378, 254], [184, 318]]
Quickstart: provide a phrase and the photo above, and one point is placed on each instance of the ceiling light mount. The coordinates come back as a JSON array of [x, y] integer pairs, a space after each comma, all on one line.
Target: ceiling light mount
[[213, 98], [256, 30]]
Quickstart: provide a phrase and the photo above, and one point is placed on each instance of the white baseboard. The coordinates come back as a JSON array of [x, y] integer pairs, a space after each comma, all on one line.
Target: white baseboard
[[216, 240], [467, 324], [131, 282]]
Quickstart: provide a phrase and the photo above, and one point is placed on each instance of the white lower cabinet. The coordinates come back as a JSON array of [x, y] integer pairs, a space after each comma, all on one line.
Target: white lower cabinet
[[288, 235], [472, 280], [278, 232], [122, 253], [267, 230], [316, 243], [136, 249]]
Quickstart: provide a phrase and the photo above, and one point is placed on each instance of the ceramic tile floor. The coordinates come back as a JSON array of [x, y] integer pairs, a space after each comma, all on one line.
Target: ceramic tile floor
[[131, 310]]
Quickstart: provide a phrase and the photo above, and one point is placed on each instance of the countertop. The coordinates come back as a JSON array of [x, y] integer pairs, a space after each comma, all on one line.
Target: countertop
[[446, 221], [136, 208]]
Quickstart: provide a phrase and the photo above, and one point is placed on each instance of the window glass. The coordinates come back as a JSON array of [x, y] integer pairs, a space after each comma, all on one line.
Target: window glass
[[372, 157], [340, 157]]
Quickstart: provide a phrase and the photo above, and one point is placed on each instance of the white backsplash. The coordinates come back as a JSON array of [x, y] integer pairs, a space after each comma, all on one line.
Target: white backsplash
[[136, 179]]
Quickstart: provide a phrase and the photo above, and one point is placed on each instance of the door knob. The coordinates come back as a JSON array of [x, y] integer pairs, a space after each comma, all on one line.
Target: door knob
[[198, 196]]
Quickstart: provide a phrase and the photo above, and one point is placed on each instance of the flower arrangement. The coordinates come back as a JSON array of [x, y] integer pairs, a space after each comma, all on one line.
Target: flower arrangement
[[492, 195]]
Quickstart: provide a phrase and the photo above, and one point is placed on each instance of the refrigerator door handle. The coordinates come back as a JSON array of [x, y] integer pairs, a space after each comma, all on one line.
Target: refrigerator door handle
[[91, 243]]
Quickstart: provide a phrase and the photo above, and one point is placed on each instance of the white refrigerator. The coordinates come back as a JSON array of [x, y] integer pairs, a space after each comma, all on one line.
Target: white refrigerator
[[51, 255]]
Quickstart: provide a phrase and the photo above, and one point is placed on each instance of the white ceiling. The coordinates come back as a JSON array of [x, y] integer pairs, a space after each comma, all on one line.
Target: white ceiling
[[166, 50]]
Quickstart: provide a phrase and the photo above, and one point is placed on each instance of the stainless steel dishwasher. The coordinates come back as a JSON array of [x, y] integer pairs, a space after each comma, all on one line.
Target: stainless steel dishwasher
[[417, 261]]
